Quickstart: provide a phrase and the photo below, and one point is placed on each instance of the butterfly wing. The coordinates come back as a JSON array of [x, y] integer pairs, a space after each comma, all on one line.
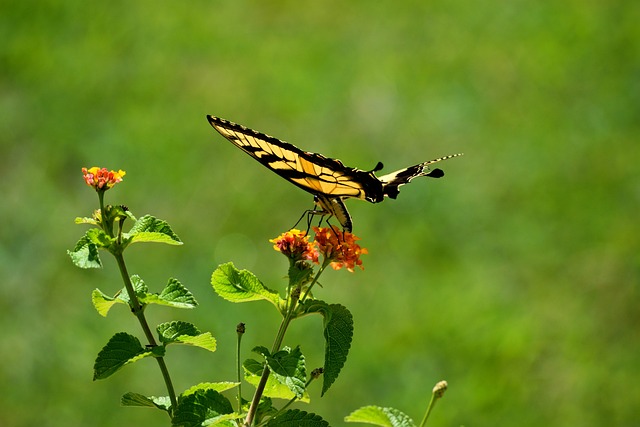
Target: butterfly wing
[[391, 182], [315, 173]]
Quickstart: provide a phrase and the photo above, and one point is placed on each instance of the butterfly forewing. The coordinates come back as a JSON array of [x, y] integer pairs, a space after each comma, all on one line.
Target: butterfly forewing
[[312, 172]]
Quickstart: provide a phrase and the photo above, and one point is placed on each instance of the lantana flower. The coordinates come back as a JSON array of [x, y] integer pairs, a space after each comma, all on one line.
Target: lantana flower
[[102, 179], [339, 248], [295, 245]]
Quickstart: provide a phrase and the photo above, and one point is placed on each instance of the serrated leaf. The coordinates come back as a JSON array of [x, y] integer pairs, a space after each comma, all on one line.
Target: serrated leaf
[[185, 333], [338, 333], [173, 295], [203, 406], [288, 367], [121, 350], [138, 285], [379, 416], [297, 418], [151, 229], [219, 387], [85, 253], [172, 331], [136, 399], [240, 285], [274, 388], [176, 294]]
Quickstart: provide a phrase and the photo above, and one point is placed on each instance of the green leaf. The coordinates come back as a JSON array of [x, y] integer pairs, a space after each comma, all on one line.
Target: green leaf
[[121, 350], [274, 388], [103, 302], [204, 407], [288, 368], [295, 418], [99, 238], [185, 333], [176, 294], [85, 220], [173, 295], [376, 415], [136, 399], [264, 351], [219, 387], [240, 285], [338, 333], [151, 229], [85, 253], [265, 409]]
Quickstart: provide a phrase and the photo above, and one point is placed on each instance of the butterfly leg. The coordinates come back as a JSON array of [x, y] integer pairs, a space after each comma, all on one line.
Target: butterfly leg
[[310, 213]]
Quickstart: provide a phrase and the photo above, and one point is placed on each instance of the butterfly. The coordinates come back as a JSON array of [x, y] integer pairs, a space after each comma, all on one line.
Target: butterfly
[[327, 179]]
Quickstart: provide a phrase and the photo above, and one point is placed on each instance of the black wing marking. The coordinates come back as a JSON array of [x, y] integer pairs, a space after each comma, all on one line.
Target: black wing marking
[[391, 182]]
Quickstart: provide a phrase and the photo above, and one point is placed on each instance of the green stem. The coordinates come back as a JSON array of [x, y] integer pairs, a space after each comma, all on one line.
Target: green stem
[[265, 373], [432, 402], [277, 343], [240, 332], [103, 216], [138, 311], [136, 307], [315, 279]]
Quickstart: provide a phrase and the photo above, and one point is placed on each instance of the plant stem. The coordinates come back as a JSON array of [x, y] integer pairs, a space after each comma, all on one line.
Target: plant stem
[[134, 303], [138, 311], [315, 279], [276, 346], [432, 402], [265, 373], [240, 332]]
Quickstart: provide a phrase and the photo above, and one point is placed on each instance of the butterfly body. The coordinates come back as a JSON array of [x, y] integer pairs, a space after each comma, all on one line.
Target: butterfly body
[[327, 179]]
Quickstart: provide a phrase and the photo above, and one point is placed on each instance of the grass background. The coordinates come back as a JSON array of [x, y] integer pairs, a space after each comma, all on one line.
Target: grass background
[[515, 277]]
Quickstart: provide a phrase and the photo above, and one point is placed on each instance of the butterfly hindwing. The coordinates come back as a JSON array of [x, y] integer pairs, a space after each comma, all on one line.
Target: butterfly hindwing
[[392, 181]]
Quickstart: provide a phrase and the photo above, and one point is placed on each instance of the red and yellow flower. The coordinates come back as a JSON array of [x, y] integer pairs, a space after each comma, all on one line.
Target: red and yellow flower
[[295, 245], [102, 179]]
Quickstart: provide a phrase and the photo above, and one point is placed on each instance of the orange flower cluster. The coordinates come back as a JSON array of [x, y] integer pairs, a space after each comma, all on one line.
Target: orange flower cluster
[[337, 247], [101, 178], [295, 245]]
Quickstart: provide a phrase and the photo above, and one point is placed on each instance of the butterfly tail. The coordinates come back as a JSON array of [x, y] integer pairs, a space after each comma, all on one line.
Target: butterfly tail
[[391, 182]]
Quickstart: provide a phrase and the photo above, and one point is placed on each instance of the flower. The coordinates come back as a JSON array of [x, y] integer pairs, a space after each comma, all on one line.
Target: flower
[[339, 248], [102, 179], [295, 245]]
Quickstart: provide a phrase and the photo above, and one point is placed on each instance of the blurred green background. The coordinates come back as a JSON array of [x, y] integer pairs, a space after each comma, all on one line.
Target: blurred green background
[[515, 277]]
